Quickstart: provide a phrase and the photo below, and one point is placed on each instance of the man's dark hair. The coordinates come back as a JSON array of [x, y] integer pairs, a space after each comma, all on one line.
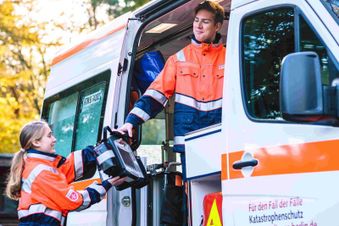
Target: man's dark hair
[[212, 7]]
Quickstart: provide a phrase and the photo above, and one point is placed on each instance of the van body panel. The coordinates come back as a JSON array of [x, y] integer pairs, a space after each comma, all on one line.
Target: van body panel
[[203, 150], [93, 37], [327, 20], [239, 3], [292, 183], [85, 64]]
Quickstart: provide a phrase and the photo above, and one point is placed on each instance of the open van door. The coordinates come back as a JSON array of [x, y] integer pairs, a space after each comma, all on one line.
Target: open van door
[[280, 169], [79, 98]]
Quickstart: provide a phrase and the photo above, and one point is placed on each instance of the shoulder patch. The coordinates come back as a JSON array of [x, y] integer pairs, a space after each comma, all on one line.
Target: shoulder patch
[[72, 195]]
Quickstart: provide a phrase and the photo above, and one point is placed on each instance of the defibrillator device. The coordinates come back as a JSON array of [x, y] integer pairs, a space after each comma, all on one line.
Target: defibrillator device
[[116, 158]]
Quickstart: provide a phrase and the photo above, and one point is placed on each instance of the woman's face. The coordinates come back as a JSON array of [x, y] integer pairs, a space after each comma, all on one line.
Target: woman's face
[[46, 142], [204, 26]]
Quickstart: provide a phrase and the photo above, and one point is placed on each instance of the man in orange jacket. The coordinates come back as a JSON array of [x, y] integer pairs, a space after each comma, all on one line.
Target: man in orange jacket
[[194, 75]]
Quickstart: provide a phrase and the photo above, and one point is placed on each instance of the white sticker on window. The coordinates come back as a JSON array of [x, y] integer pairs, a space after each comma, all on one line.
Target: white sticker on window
[[92, 99]]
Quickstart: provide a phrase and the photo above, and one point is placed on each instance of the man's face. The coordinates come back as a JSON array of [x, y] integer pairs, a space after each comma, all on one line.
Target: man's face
[[204, 26]]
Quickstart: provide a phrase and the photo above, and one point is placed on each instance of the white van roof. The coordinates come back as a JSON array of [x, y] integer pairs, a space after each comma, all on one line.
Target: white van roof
[[95, 36], [115, 25]]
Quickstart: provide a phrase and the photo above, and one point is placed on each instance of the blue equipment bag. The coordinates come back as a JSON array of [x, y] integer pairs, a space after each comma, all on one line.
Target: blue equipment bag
[[148, 68]]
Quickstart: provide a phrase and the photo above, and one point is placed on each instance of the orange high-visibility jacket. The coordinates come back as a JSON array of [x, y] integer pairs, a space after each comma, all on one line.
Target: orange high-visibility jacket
[[46, 192], [194, 76]]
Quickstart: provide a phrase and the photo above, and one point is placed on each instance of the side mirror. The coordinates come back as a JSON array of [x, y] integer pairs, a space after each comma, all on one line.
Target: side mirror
[[301, 94]]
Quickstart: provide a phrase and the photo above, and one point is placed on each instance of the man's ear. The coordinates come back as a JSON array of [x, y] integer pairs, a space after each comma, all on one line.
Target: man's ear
[[218, 26]]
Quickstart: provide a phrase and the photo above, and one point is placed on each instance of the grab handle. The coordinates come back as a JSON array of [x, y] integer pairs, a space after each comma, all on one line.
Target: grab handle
[[241, 164]]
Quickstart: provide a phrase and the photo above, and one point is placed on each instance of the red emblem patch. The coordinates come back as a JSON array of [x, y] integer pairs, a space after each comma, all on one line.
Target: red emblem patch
[[72, 195]]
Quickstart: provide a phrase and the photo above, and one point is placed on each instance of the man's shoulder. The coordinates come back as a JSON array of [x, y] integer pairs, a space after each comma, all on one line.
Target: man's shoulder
[[187, 47]]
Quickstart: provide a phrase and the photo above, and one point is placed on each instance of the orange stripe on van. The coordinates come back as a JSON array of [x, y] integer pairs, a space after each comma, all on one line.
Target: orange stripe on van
[[224, 168], [83, 45], [81, 185], [289, 159], [233, 157]]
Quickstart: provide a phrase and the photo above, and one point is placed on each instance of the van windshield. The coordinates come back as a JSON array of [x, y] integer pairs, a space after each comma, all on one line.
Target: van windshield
[[333, 7]]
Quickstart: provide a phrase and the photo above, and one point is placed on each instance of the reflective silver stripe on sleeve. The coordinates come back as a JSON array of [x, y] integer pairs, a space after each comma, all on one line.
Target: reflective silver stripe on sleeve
[[99, 188], [63, 219], [179, 140], [201, 106], [27, 183], [140, 113], [40, 208], [181, 56], [156, 96], [86, 200], [40, 156], [78, 164], [104, 156]]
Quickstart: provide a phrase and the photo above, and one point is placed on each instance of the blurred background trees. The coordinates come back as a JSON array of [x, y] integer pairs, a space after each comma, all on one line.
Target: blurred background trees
[[27, 44]]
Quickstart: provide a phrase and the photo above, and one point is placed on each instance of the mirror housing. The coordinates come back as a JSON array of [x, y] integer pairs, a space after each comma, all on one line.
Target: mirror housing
[[301, 93]]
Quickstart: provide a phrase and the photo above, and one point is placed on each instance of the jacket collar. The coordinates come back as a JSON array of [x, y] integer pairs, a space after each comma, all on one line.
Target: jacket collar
[[32, 153], [217, 41]]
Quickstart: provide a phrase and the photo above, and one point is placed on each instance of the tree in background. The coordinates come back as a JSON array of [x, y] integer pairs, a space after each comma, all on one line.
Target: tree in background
[[113, 9], [25, 43], [23, 72]]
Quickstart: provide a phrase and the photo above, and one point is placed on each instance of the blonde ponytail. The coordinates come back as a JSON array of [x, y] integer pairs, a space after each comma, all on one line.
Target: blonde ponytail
[[14, 179], [30, 132]]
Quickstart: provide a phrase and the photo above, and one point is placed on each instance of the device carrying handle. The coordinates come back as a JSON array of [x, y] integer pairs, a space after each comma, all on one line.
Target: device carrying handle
[[114, 133], [107, 129]]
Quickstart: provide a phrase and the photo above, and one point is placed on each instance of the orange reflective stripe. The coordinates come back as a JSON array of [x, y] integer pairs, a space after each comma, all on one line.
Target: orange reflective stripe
[[83, 45], [289, 159], [81, 185], [224, 168], [233, 157]]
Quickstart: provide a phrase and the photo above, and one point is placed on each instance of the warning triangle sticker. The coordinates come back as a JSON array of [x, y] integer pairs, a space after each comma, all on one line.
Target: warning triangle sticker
[[214, 218]]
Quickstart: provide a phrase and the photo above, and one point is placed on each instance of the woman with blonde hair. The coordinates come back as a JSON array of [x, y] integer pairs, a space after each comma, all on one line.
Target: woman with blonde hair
[[40, 179]]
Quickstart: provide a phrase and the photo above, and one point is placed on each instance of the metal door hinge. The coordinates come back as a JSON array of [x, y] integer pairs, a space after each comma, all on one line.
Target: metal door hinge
[[123, 67]]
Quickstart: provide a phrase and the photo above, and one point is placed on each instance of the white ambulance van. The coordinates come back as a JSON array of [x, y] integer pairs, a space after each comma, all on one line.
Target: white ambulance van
[[274, 159]]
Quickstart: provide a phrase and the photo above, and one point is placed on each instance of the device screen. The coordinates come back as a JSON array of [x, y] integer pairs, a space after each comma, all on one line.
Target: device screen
[[127, 158]]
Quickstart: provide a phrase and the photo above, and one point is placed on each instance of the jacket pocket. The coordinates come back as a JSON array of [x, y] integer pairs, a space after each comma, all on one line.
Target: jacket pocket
[[219, 71], [188, 71]]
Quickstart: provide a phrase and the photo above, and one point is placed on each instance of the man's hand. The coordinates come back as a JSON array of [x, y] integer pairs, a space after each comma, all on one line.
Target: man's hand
[[127, 127], [116, 181]]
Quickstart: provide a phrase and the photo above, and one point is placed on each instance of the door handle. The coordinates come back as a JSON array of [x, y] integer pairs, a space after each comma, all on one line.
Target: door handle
[[241, 164]]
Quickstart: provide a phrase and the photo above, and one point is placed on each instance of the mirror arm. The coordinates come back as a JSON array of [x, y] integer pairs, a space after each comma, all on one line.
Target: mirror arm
[[329, 100]]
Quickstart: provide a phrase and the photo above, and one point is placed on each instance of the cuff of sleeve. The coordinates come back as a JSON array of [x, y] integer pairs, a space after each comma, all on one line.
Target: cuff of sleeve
[[134, 120], [107, 185]]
